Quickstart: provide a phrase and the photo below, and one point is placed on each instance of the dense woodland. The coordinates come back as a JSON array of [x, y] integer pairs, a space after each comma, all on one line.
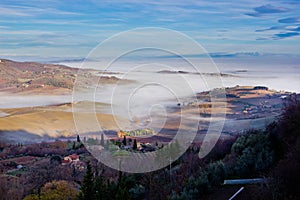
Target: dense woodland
[[272, 153]]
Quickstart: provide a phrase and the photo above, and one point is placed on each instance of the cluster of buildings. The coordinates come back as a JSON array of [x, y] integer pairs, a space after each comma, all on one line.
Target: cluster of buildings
[[262, 108], [137, 132], [73, 161], [141, 147]]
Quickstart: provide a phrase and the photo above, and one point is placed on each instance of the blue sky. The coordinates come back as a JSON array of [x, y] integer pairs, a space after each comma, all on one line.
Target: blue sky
[[71, 28]]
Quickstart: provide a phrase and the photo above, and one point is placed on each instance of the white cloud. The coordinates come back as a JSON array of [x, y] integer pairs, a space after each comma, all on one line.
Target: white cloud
[[12, 12], [27, 11]]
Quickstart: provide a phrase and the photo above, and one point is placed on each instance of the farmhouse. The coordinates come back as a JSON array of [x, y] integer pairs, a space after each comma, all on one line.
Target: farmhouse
[[70, 159], [73, 161]]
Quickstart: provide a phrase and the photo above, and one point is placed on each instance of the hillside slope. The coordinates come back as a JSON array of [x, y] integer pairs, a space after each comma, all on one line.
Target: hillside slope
[[39, 78], [29, 76]]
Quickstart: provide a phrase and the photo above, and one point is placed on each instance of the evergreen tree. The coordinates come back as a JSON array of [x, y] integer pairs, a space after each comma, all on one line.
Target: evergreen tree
[[134, 145], [100, 189], [102, 140], [174, 150], [86, 190], [124, 141], [107, 144], [78, 138], [122, 190]]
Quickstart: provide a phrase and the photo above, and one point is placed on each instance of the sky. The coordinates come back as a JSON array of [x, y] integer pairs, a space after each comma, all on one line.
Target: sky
[[72, 28]]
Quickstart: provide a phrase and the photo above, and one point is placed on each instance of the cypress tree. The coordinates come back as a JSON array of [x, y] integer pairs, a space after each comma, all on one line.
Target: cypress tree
[[102, 140], [134, 145], [122, 190], [86, 190], [124, 141]]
